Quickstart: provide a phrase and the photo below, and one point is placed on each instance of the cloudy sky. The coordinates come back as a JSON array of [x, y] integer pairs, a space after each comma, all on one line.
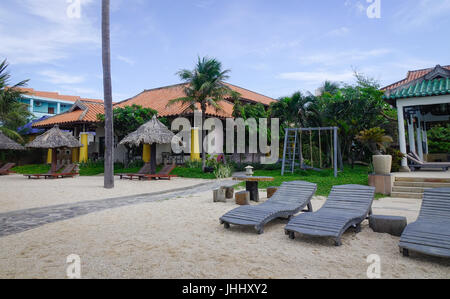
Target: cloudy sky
[[272, 47]]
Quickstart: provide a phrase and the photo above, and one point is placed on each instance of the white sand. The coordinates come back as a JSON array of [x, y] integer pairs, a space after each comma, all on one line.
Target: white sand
[[17, 192], [182, 238]]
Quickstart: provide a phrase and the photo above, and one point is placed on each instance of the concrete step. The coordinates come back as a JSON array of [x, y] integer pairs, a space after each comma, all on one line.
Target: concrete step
[[422, 180], [408, 189], [407, 195], [420, 184]]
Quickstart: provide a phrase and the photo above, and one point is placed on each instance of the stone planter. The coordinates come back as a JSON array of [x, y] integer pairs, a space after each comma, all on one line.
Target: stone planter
[[382, 164]]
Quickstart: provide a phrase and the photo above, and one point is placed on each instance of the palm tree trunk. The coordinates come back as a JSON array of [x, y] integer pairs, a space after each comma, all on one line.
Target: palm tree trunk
[[107, 90], [203, 138]]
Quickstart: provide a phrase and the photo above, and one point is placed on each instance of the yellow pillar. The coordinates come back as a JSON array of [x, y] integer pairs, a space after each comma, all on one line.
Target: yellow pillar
[[49, 156], [75, 154], [195, 145], [84, 147], [146, 151]]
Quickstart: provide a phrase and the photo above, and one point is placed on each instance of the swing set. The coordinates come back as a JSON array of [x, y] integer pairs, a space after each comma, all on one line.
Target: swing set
[[294, 147]]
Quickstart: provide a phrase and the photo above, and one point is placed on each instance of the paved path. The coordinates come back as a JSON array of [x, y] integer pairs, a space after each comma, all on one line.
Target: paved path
[[18, 221]]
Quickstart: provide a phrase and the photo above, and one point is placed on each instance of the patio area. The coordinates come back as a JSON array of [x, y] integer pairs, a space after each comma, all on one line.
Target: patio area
[[177, 235]]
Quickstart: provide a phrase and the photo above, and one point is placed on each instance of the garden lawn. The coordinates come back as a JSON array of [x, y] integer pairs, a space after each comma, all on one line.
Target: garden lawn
[[325, 179]]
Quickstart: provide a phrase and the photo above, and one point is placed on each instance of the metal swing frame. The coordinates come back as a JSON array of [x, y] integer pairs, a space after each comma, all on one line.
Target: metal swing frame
[[291, 142]]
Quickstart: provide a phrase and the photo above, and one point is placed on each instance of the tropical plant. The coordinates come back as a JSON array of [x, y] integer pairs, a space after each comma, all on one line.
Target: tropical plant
[[205, 88], [107, 89], [13, 113], [439, 139], [375, 139]]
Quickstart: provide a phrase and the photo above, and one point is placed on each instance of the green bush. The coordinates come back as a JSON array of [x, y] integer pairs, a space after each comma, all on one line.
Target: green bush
[[439, 139], [397, 157]]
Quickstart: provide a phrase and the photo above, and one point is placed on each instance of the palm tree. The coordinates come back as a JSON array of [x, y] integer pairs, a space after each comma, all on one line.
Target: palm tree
[[13, 113], [107, 90], [205, 88]]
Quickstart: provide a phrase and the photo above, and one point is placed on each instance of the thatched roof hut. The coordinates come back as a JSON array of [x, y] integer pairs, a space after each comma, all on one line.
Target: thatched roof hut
[[54, 138], [152, 132], [8, 144]]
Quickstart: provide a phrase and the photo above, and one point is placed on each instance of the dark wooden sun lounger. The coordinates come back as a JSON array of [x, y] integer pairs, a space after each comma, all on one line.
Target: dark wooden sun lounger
[[417, 163], [347, 205], [146, 169], [430, 234], [42, 175], [164, 173], [6, 169], [68, 171], [288, 200]]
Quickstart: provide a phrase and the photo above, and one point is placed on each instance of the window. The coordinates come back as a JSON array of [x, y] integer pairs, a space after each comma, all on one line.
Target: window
[[51, 110]]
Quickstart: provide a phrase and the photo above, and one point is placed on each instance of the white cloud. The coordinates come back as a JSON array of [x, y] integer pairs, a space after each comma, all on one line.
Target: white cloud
[[41, 31], [126, 59], [422, 14], [344, 57], [56, 77], [342, 31], [317, 77]]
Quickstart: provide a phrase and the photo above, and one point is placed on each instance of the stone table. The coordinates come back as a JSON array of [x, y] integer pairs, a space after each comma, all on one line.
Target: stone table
[[251, 184]]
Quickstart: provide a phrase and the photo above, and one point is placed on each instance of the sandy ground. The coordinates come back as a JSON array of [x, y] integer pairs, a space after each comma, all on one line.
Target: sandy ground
[[182, 238], [17, 192]]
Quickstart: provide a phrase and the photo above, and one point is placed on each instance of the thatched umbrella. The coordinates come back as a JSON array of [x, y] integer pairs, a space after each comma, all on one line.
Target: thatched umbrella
[[54, 139], [8, 144], [152, 132]]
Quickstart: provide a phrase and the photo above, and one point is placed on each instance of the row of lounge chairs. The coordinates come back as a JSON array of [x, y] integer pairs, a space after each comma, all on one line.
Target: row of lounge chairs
[[6, 169], [416, 163], [145, 173], [62, 172], [347, 206]]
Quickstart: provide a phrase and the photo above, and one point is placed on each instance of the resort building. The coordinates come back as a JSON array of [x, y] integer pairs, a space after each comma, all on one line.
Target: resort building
[[44, 103], [422, 100], [81, 118]]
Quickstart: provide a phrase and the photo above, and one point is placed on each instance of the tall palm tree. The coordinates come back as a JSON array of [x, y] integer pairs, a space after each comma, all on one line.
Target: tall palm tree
[[205, 88], [107, 90], [13, 113]]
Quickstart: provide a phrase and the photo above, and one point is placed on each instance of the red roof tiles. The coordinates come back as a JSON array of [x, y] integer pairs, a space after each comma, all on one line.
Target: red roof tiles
[[411, 76], [55, 95], [157, 99]]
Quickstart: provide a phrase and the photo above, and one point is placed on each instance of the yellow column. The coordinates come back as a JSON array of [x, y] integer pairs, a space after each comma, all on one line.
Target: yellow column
[[195, 145], [75, 154], [49, 156], [84, 148], [146, 151]]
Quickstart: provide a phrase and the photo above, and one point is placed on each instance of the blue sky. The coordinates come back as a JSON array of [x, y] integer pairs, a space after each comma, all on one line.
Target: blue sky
[[271, 47]]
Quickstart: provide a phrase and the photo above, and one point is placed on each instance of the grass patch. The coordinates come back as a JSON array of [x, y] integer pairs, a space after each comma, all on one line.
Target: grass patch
[[195, 173], [325, 179], [32, 169]]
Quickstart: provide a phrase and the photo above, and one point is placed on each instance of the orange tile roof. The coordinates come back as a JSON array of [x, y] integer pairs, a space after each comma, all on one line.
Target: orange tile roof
[[55, 95], [81, 112], [156, 99], [411, 76]]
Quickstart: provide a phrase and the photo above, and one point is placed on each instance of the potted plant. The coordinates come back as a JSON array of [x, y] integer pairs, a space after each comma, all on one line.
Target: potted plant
[[376, 140]]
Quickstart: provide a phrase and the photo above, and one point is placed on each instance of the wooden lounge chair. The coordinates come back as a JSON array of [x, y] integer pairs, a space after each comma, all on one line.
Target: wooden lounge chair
[[68, 171], [42, 175], [164, 173], [417, 163], [288, 200], [144, 170], [430, 234], [347, 205], [6, 169]]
